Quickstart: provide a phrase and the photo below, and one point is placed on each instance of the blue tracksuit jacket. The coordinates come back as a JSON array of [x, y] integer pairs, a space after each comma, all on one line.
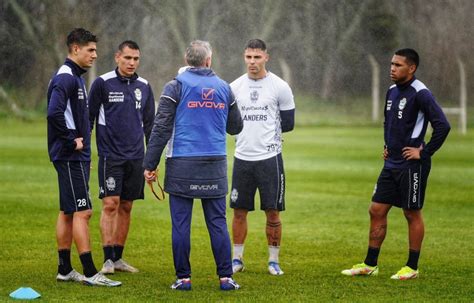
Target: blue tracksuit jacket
[[408, 109], [68, 115], [123, 109]]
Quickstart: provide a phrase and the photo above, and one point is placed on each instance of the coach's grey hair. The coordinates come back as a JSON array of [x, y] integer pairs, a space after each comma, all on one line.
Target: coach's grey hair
[[197, 53]]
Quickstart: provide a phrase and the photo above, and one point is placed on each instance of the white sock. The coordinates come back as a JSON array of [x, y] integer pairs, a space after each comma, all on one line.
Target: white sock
[[273, 252], [238, 251]]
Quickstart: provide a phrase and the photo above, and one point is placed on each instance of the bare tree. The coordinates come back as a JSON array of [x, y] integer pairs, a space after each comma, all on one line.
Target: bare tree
[[322, 45]]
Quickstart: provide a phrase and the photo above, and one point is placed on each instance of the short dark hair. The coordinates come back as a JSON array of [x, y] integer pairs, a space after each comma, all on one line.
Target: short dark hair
[[410, 54], [256, 44], [79, 36], [128, 43]]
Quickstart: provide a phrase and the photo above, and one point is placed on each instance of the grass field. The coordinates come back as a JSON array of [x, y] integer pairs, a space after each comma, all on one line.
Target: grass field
[[331, 172]]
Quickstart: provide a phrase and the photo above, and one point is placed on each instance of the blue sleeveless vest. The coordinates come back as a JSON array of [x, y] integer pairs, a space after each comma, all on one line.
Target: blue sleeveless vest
[[201, 116], [196, 164]]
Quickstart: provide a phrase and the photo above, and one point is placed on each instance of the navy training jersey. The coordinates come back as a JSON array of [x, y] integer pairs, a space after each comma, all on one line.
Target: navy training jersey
[[68, 114], [123, 109], [408, 109]]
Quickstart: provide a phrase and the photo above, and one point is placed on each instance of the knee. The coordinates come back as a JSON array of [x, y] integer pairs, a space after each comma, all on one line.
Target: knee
[[84, 215], [412, 215], [240, 216], [110, 204], [126, 207], [376, 212], [273, 216]]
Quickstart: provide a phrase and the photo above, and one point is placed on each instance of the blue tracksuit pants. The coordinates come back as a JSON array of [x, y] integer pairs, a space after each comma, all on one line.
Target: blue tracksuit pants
[[214, 212]]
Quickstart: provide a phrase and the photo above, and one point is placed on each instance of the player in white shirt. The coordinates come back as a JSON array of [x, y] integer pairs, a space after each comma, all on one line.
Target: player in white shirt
[[268, 109]]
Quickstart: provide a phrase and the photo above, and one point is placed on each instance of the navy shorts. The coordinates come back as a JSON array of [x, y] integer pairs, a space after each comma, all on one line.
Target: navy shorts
[[122, 178], [404, 187], [73, 180], [268, 176]]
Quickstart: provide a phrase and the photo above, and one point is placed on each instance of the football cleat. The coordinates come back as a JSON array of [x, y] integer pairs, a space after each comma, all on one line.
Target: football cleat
[[237, 265], [274, 269], [121, 265], [182, 284], [405, 273], [100, 280], [73, 276], [228, 284], [361, 269], [108, 268]]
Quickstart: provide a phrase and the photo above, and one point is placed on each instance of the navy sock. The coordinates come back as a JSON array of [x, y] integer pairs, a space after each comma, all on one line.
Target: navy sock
[[88, 264], [372, 256], [108, 252], [413, 257], [64, 264], [118, 250]]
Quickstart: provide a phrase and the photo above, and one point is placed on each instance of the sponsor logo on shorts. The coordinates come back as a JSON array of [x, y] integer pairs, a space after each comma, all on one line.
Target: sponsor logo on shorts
[[203, 187], [110, 183], [234, 195], [415, 187], [375, 189], [101, 190], [282, 187]]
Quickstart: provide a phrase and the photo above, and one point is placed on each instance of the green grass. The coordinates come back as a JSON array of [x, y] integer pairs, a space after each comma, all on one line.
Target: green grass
[[331, 172]]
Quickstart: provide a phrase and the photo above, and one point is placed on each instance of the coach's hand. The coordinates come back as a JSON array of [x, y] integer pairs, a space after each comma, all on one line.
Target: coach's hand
[[149, 175], [412, 153], [385, 153]]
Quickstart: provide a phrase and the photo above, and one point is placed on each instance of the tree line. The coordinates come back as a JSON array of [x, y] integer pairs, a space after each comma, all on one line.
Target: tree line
[[324, 48]]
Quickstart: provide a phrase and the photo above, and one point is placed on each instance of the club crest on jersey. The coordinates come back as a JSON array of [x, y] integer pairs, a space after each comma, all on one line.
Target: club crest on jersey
[[402, 104], [110, 183], [254, 96], [138, 94]]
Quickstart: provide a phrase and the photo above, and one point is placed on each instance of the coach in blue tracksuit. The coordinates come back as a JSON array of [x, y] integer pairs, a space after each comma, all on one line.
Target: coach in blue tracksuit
[[196, 110], [123, 106], [409, 107]]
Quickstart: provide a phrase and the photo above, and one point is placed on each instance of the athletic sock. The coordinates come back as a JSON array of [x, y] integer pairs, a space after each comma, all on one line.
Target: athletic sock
[[413, 257], [238, 251], [64, 264], [372, 256], [108, 252], [273, 252], [88, 264], [118, 251]]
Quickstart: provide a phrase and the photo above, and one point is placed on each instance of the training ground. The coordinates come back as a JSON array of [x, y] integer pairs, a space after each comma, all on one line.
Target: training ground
[[331, 173]]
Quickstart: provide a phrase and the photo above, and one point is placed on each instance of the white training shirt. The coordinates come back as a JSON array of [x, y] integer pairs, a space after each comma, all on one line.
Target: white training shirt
[[260, 102]]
